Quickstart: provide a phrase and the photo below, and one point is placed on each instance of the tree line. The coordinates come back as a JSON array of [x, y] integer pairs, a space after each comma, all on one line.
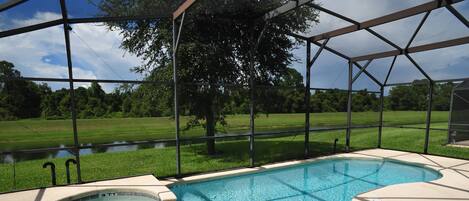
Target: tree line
[[26, 99]]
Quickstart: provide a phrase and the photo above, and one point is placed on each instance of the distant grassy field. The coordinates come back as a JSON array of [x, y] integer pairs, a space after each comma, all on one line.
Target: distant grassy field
[[38, 133]]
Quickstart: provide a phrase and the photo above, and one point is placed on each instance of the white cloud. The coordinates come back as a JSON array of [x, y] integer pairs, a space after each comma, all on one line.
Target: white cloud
[[39, 17], [42, 53]]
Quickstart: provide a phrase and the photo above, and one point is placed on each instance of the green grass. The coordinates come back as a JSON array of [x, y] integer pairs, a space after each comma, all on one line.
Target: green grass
[[231, 154], [38, 133]]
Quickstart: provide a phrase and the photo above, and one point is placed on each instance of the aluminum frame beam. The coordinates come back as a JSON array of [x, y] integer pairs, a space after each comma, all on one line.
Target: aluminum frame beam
[[116, 19], [309, 64], [429, 117], [252, 85], [434, 81], [35, 27], [40, 79], [308, 96], [289, 6], [10, 4], [56, 22], [390, 70], [349, 107], [342, 17], [177, 29], [361, 71], [182, 8], [369, 75], [385, 19], [381, 113], [415, 49], [66, 28], [342, 90], [419, 68], [458, 15], [424, 19]]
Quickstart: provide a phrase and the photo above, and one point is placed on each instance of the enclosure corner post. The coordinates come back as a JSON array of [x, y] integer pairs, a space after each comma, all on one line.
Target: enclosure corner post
[[381, 110], [307, 98], [429, 115], [67, 29], [349, 107]]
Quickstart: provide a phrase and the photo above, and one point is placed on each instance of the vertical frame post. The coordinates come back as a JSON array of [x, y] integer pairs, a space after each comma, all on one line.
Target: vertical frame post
[[176, 35], [381, 109], [251, 109], [307, 97], [252, 92], [429, 116], [67, 29], [349, 107], [450, 115], [309, 64]]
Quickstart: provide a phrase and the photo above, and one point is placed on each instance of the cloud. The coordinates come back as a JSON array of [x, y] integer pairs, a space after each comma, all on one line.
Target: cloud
[[38, 17], [95, 52]]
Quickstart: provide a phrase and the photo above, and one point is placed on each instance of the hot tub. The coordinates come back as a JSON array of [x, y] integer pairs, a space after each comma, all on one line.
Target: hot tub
[[117, 194]]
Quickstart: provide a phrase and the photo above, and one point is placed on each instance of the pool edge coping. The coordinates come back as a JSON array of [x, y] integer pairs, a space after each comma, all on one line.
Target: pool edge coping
[[242, 171]]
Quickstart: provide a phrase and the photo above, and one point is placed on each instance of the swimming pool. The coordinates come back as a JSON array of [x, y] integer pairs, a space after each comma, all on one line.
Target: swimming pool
[[328, 179]]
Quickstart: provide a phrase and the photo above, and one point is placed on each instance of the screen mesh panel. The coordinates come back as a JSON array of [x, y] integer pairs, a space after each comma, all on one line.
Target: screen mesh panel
[[459, 125]]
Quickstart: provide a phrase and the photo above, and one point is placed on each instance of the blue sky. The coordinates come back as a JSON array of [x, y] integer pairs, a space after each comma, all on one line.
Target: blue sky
[[96, 52]]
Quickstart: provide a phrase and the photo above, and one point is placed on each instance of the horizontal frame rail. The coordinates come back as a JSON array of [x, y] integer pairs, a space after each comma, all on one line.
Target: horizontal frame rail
[[434, 81], [10, 4], [57, 22], [415, 49], [415, 127], [41, 79]]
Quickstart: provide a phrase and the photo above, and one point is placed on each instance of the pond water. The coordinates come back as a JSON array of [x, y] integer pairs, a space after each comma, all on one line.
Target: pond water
[[17, 157], [120, 146]]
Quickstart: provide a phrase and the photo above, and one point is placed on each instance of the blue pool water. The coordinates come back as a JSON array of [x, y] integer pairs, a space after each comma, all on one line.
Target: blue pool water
[[330, 179]]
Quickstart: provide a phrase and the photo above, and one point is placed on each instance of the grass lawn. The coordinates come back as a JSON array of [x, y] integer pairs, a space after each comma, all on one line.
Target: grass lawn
[[232, 154], [38, 133]]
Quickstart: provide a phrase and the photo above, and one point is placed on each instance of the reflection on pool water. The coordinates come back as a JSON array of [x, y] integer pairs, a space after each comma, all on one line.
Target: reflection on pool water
[[329, 179]]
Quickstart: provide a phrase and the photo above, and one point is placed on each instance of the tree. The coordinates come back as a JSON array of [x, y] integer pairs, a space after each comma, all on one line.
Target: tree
[[415, 96], [216, 47], [18, 98], [442, 97], [284, 95]]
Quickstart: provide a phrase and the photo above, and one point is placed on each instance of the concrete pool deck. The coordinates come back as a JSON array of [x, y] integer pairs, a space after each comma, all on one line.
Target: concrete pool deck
[[454, 184], [147, 184]]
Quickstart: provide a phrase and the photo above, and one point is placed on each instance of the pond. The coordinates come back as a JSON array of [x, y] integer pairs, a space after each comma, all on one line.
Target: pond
[[120, 147]]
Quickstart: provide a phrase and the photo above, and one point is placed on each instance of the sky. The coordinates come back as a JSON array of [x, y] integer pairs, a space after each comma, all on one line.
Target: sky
[[96, 53]]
